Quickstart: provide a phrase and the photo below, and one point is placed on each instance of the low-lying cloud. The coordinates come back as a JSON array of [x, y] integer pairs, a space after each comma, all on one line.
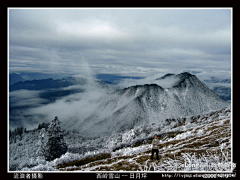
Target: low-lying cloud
[[25, 98], [29, 109]]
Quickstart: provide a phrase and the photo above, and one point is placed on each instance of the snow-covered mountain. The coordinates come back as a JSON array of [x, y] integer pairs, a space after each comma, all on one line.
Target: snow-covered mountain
[[173, 96]]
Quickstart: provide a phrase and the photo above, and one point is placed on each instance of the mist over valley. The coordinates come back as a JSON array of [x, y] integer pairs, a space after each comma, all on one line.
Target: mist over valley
[[78, 99]]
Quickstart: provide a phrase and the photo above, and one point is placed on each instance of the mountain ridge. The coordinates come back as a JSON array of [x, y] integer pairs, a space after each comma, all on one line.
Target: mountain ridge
[[150, 103]]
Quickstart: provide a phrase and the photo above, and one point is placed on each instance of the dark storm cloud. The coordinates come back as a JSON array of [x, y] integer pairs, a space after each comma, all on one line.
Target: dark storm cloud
[[58, 39]]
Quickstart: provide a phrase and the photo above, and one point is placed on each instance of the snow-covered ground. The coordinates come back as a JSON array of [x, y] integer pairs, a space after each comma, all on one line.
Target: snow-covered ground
[[197, 143]]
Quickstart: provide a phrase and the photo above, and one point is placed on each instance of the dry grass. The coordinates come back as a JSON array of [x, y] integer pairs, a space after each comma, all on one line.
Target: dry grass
[[85, 161], [203, 145]]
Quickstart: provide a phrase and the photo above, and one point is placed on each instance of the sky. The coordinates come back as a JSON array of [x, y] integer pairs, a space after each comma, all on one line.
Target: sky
[[125, 41]]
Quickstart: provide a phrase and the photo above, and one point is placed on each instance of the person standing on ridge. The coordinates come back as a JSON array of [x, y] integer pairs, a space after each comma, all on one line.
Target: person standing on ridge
[[155, 147]]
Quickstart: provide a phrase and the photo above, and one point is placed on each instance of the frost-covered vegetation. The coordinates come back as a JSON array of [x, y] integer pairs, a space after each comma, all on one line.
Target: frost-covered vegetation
[[55, 145], [195, 143]]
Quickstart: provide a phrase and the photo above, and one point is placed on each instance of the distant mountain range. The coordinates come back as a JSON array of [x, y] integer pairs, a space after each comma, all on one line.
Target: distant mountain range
[[115, 79], [24, 76], [46, 83], [221, 86], [217, 80]]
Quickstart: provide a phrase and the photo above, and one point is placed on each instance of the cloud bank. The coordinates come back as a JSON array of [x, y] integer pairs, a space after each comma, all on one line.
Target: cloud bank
[[55, 40]]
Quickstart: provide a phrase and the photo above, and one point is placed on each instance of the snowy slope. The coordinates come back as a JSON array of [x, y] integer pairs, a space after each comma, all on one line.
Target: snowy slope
[[186, 147], [185, 95], [187, 144]]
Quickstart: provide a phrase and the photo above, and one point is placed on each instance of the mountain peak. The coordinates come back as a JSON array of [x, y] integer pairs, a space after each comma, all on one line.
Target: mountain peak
[[186, 80], [185, 75], [165, 76], [171, 80]]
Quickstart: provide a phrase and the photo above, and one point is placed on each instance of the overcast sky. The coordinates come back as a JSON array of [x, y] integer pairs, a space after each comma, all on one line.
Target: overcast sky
[[124, 41]]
